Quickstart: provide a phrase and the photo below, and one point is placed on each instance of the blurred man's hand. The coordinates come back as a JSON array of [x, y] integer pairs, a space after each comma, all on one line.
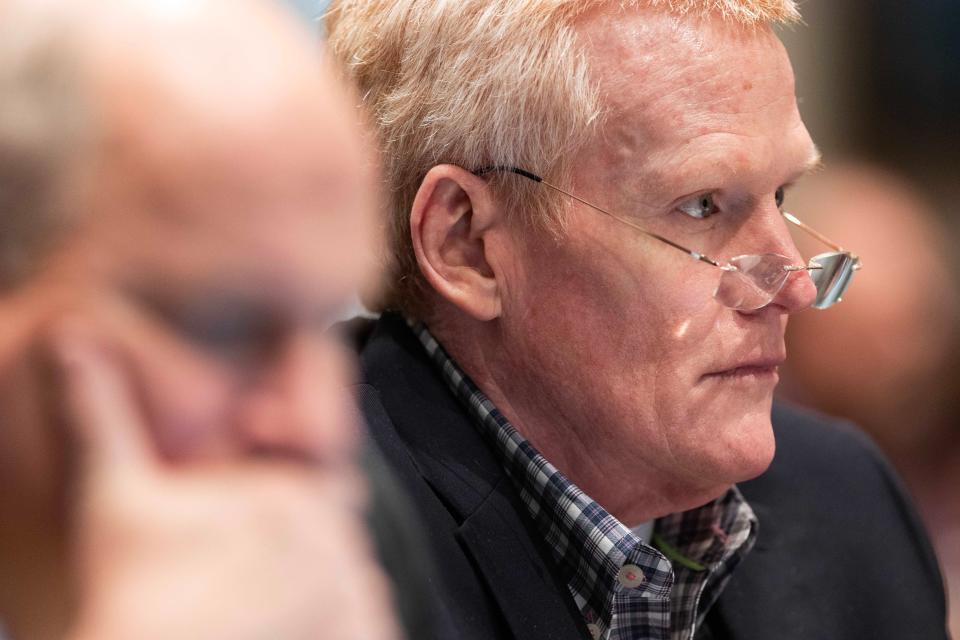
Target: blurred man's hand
[[248, 548]]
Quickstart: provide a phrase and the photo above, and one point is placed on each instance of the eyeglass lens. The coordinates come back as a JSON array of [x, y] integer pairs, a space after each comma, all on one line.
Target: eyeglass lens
[[833, 278], [753, 282]]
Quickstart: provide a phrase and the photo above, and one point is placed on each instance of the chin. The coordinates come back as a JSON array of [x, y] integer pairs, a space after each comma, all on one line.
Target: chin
[[739, 446], [750, 445]]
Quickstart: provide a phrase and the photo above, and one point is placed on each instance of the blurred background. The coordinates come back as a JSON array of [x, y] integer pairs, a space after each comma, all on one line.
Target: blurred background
[[879, 88], [309, 9]]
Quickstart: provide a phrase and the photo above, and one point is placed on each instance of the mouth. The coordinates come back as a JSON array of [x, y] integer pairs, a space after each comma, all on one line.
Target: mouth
[[759, 370], [746, 372]]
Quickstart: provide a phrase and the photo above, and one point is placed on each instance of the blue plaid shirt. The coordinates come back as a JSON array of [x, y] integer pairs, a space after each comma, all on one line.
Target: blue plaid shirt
[[625, 588]]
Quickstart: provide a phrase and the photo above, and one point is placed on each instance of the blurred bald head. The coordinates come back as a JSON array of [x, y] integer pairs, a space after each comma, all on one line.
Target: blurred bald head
[[163, 95], [221, 199], [187, 182]]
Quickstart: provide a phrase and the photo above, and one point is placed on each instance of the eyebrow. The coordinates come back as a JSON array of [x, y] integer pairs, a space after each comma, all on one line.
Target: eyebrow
[[812, 164]]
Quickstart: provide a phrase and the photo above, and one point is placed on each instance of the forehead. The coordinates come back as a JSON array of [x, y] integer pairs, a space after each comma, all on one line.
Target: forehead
[[682, 91], [274, 202]]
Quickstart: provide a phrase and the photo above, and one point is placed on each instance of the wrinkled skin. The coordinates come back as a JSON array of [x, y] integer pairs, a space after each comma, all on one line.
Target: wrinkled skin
[[606, 349]]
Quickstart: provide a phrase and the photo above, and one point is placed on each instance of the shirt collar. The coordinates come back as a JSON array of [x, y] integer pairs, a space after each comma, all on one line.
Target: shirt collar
[[595, 552]]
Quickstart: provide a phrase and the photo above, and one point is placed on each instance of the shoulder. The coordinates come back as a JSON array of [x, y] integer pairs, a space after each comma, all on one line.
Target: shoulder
[[829, 473], [828, 458], [840, 549], [807, 437], [833, 472]]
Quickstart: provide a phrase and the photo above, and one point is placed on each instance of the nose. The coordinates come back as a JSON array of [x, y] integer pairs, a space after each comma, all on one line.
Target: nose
[[798, 291], [301, 406]]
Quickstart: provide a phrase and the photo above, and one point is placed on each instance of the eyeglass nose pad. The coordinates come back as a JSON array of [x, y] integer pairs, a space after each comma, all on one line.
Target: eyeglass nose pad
[[799, 292], [768, 270]]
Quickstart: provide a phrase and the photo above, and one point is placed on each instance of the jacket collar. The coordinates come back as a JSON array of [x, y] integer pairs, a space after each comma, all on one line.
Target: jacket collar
[[452, 457]]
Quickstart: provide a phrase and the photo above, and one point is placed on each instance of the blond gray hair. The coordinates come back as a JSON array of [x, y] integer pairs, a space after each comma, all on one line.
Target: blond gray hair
[[479, 83], [42, 121]]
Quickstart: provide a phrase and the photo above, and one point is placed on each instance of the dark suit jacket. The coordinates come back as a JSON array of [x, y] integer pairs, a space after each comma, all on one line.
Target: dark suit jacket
[[400, 545], [840, 553]]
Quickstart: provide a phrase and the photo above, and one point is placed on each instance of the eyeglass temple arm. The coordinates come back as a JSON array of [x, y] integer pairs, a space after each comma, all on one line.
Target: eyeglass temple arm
[[819, 236], [816, 234], [532, 176]]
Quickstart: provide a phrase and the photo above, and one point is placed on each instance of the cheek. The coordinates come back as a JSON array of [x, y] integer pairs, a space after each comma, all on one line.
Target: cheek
[[652, 324], [633, 325], [303, 405]]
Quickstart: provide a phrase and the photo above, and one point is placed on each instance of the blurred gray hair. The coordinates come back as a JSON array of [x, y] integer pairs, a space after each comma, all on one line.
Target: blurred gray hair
[[42, 125]]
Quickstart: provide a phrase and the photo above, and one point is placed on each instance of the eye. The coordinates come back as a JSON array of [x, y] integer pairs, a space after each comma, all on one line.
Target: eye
[[233, 330], [780, 197], [699, 207]]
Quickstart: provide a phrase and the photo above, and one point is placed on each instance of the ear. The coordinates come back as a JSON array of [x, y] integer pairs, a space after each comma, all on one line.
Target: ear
[[451, 223]]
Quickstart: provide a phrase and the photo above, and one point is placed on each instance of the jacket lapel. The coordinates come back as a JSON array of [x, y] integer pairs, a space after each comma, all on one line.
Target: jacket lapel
[[517, 575], [452, 457]]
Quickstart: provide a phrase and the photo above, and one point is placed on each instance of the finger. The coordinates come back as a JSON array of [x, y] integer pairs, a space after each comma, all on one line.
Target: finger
[[99, 403]]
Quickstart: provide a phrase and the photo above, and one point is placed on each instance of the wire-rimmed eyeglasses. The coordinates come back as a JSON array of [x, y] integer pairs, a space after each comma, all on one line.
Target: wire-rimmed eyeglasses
[[747, 282]]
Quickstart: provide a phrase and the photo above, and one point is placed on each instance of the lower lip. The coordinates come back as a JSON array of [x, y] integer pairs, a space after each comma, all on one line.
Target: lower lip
[[747, 374]]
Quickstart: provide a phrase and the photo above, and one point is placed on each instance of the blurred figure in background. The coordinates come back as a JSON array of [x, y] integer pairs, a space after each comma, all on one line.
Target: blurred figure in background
[[186, 202], [886, 358]]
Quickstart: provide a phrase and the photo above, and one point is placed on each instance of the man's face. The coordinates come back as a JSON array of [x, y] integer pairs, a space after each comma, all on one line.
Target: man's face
[[211, 270], [701, 121]]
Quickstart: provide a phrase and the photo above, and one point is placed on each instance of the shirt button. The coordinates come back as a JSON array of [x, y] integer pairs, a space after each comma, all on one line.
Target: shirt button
[[631, 576], [594, 630]]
